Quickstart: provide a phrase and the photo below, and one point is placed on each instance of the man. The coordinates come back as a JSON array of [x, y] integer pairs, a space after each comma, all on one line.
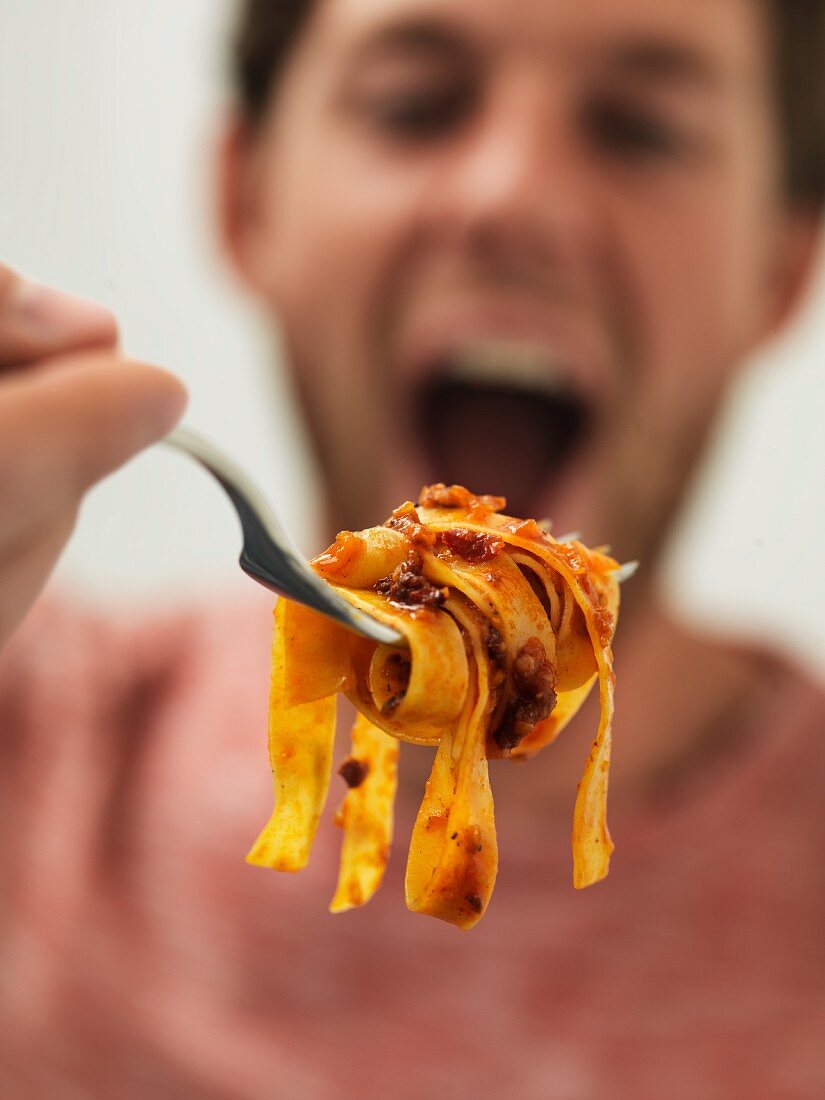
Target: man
[[523, 246]]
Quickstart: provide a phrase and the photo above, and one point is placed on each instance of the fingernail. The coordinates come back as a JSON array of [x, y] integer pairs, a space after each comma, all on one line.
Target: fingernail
[[162, 403], [51, 314]]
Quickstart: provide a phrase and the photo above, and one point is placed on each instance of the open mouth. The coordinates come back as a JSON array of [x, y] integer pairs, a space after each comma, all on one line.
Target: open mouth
[[502, 418]]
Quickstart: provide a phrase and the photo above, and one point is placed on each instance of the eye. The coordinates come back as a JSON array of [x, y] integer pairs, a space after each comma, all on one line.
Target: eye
[[634, 134], [419, 113]]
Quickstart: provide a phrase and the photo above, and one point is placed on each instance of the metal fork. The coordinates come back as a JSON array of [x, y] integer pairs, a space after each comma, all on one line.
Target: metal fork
[[268, 554]]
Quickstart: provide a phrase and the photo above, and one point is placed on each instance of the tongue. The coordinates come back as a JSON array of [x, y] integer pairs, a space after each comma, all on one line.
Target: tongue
[[494, 439]]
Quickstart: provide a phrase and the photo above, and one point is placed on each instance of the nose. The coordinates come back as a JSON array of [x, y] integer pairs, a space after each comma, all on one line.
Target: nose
[[516, 184]]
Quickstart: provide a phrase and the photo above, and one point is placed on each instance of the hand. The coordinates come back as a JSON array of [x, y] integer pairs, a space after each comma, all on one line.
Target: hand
[[72, 409]]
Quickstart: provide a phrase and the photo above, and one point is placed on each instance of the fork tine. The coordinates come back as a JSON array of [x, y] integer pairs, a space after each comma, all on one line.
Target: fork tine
[[626, 571]]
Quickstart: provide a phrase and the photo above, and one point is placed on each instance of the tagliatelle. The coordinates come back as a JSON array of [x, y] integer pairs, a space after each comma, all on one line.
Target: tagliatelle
[[507, 631]]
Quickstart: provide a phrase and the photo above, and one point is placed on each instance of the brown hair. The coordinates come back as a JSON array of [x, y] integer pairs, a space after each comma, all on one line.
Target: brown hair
[[266, 32], [799, 27], [268, 29]]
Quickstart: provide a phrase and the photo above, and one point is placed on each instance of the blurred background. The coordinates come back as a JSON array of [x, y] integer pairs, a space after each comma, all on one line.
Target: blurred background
[[108, 116]]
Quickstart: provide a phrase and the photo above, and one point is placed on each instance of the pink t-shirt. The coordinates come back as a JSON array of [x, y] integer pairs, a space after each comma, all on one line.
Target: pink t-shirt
[[141, 956]]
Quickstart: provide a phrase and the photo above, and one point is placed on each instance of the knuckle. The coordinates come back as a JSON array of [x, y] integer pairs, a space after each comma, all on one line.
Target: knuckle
[[10, 283]]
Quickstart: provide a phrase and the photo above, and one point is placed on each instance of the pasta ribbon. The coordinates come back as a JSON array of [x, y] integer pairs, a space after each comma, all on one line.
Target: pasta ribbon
[[300, 754], [366, 815]]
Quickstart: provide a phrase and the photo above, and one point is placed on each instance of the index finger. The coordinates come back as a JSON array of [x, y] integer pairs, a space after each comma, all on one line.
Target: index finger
[[38, 321]]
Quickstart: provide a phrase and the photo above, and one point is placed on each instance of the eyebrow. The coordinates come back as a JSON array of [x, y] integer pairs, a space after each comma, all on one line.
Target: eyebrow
[[662, 61], [422, 36]]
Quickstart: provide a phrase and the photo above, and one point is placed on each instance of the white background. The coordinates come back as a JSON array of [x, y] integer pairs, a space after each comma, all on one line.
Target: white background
[[108, 116]]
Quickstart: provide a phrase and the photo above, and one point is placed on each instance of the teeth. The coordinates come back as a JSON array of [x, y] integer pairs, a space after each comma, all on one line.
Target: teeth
[[513, 363]]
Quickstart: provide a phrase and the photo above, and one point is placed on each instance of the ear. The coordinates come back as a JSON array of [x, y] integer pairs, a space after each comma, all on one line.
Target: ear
[[236, 198], [797, 251]]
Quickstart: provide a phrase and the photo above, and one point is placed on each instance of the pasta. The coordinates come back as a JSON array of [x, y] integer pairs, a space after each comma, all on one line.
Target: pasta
[[507, 631]]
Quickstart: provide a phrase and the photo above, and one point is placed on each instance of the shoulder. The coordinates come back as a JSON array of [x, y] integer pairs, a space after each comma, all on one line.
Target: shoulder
[[78, 669]]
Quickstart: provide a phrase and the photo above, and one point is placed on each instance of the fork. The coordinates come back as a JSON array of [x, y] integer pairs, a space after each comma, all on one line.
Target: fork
[[268, 554]]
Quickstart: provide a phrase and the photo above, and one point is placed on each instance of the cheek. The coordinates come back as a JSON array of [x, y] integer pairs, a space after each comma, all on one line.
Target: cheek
[[693, 266], [335, 226], [336, 223]]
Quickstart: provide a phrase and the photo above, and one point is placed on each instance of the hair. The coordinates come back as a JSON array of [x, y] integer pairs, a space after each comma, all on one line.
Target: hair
[[799, 27], [267, 31]]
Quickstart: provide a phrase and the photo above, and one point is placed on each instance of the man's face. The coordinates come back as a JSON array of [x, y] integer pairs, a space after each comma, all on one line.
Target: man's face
[[518, 245]]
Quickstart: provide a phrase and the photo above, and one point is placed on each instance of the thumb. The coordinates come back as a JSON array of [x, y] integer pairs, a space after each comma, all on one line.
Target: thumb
[[67, 426]]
